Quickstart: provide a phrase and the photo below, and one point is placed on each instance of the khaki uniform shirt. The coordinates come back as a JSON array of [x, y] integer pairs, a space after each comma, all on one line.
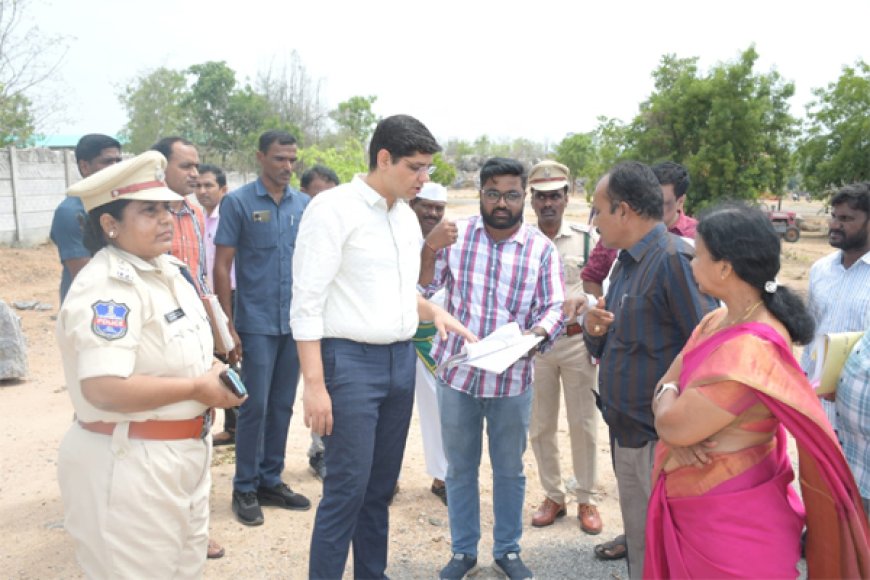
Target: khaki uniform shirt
[[126, 316], [574, 244]]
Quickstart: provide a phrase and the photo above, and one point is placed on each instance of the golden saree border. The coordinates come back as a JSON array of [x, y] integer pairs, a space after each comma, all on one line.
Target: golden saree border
[[690, 481]]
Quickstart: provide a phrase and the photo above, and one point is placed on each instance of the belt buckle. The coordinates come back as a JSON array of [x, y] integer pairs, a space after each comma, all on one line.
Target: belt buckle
[[206, 424], [573, 329]]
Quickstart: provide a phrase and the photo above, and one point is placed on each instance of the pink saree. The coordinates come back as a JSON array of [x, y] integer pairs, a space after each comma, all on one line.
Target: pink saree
[[747, 522]]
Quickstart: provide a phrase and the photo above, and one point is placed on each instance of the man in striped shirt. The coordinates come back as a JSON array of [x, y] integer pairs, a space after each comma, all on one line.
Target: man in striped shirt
[[182, 172], [498, 271], [651, 307]]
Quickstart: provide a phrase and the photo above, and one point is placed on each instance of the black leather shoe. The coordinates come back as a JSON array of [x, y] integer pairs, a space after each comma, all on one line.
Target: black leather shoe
[[247, 508], [318, 465], [439, 490], [283, 497]]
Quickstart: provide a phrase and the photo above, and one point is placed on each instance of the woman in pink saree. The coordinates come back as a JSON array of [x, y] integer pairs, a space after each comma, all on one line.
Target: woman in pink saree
[[722, 503]]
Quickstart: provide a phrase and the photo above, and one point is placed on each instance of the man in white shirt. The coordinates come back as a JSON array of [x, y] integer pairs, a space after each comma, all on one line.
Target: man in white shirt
[[839, 294], [355, 309]]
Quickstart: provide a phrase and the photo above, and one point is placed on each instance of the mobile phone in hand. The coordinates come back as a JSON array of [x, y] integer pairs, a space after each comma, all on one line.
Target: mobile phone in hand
[[231, 380]]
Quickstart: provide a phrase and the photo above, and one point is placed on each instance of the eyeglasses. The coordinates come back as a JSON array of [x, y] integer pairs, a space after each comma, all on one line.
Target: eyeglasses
[[421, 169], [493, 196]]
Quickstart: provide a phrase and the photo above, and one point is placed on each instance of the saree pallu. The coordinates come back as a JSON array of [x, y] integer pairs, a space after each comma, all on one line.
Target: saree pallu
[[749, 525]]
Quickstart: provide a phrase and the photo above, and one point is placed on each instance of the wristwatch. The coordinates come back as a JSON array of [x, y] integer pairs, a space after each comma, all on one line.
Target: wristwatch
[[664, 388]]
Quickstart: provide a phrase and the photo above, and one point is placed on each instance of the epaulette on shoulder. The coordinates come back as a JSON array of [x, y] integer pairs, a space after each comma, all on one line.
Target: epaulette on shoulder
[[122, 270], [174, 261], [580, 228]]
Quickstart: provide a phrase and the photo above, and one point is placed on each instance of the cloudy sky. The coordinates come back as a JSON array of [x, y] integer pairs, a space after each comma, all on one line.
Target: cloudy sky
[[535, 69]]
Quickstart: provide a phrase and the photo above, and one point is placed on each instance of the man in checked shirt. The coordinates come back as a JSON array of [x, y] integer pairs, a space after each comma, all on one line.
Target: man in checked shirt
[[498, 271]]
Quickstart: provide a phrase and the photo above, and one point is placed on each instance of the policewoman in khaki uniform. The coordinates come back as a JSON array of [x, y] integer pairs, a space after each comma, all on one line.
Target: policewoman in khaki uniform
[[137, 356]]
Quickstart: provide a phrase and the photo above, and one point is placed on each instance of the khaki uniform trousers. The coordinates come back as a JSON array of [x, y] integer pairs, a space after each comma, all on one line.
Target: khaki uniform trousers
[[569, 361], [136, 508]]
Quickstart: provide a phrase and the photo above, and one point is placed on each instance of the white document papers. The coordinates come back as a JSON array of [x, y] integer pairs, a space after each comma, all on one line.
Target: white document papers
[[496, 352], [223, 340]]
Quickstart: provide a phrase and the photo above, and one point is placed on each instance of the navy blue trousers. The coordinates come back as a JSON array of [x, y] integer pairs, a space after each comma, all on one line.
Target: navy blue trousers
[[372, 391], [270, 371]]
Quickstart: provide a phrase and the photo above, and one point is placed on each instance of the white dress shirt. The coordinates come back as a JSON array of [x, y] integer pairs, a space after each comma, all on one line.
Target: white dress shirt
[[839, 301], [355, 268]]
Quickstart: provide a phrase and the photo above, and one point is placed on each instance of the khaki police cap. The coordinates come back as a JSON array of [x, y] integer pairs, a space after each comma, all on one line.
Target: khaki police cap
[[549, 175], [139, 178]]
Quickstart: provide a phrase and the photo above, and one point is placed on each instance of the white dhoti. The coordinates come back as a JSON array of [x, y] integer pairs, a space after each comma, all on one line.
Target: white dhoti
[[430, 422]]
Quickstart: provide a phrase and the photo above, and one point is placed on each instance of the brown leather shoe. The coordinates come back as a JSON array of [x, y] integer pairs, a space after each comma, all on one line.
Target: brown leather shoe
[[547, 513], [590, 521]]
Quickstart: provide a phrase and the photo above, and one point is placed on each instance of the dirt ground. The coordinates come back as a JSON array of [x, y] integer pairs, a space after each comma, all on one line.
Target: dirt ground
[[35, 413]]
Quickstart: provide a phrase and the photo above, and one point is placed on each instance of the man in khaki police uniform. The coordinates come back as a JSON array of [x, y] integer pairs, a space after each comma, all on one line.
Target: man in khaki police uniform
[[134, 468], [569, 361]]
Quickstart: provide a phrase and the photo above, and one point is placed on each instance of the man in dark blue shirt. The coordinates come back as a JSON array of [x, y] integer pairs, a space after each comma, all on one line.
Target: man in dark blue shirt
[[650, 310], [259, 222], [93, 152]]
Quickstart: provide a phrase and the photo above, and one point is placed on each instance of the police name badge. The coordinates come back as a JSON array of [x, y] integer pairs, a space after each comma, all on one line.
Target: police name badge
[[110, 319]]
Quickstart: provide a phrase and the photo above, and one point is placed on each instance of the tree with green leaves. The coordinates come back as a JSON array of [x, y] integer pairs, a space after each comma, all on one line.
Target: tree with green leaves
[[154, 102], [481, 146], [29, 62], [227, 120], [354, 118], [836, 149], [16, 120], [577, 152], [445, 172], [590, 155], [730, 127], [610, 138], [458, 148], [207, 102], [346, 160]]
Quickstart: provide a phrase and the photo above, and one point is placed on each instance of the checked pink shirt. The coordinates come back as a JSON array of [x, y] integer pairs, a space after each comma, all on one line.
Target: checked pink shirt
[[489, 284]]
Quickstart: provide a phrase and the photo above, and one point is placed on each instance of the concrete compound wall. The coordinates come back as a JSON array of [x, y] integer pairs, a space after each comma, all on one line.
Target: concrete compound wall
[[32, 184]]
